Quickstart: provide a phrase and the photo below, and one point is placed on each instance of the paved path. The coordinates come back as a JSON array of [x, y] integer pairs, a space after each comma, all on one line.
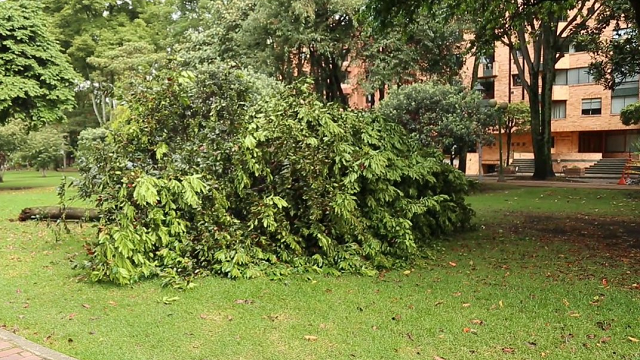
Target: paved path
[[607, 184], [13, 347]]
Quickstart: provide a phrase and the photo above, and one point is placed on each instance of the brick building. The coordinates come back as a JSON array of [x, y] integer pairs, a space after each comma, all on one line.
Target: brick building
[[586, 124]]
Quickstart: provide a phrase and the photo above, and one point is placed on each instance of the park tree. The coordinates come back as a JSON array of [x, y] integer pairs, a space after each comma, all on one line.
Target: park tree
[[12, 135], [515, 120], [37, 82], [108, 41], [285, 39], [431, 48], [532, 29], [448, 117], [43, 149]]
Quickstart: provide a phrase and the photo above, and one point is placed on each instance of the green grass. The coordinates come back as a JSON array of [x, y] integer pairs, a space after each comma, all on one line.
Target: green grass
[[536, 288], [17, 180]]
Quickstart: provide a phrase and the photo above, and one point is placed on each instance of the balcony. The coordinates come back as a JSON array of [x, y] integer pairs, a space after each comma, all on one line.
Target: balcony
[[488, 70]]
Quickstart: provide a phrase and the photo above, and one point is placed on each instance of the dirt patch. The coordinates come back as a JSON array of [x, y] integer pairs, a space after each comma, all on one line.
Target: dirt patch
[[615, 236]]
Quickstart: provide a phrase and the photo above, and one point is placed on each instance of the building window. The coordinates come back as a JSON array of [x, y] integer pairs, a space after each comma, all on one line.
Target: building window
[[620, 102], [579, 76], [624, 94], [623, 33], [559, 110], [516, 80], [553, 142], [592, 106], [561, 77]]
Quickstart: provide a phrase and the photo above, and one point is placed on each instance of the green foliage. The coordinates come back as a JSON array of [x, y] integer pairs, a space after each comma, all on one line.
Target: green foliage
[[42, 149], [440, 115], [263, 180], [630, 115], [36, 80], [12, 135], [309, 39], [432, 47]]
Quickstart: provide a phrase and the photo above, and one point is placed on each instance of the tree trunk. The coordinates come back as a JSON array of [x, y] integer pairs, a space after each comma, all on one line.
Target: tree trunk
[[44, 172], [542, 149], [462, 159], [56, 212], [382, 92], [509, 137]]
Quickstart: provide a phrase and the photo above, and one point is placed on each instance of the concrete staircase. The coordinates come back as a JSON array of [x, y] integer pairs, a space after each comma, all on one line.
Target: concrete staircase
[[525, 166], [607, 166]]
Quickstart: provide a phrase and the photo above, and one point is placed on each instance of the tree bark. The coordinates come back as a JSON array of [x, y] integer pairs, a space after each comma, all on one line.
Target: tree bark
[[509, 137], [56, 212], [462, 159], [543, 161]]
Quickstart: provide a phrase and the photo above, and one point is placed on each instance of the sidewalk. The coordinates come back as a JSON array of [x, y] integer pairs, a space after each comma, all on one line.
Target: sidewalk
[[582, 183], [13, 347]]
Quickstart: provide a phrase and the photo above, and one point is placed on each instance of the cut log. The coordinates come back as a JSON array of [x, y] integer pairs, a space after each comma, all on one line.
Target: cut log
[[56, 212]]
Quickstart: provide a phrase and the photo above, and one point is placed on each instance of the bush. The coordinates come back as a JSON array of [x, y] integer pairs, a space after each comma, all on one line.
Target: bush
[[42, 149], [221, 173]]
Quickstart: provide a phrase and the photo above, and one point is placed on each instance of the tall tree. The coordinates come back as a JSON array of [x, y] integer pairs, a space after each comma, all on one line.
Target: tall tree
[[37, 82], [427, 49], [285, 39], [534, 29], [106, 41]]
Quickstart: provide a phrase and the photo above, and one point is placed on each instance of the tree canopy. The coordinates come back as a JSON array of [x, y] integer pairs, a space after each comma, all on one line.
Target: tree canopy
[[36, 80]]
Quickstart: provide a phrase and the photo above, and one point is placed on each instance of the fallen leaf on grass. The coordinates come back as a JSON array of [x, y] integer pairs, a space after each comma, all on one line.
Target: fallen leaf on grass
[[310, 338], [407, 272], [396, 317], [470, 331], [605, 283], [86, 306], [25, 306], [508, 350], [633, 339], [466, 305], [409, 336], [112, 303], [591, 336], [452, 263], [457, 293], [169, 300], [565, 302], [531, 345], [438, 358], [374, 328], [477, 322], [71, 316], [500, 303], [604, 325], [244, 301], [438, 303], [605, 339], [574, 314]]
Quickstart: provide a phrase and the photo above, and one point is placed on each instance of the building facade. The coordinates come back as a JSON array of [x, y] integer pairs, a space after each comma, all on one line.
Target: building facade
[[586, 124]]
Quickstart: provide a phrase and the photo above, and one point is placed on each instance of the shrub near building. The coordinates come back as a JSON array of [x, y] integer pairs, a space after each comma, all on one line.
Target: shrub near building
[[220, 173]]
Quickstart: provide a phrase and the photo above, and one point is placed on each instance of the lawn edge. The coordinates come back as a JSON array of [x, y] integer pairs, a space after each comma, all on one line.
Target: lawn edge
[[32, 347]]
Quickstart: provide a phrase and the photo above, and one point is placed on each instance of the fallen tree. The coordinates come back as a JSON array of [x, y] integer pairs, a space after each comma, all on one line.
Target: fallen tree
[[58, 212]]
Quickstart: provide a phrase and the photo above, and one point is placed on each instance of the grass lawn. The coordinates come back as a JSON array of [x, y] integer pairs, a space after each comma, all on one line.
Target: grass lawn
[[549, 274]]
